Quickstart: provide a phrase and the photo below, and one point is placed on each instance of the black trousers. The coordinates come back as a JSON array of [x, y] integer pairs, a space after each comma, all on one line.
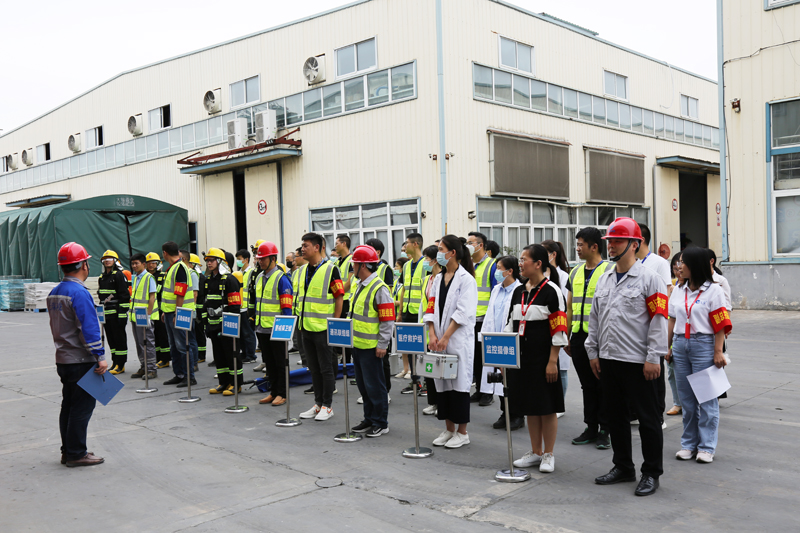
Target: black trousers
[[320, 359], [77, 406], [224, 355], [273, 354], [661, 385], [117, 336], [624, 384], [200, 333], [594, 412], [477, 359], [162, 341], [433, 394]]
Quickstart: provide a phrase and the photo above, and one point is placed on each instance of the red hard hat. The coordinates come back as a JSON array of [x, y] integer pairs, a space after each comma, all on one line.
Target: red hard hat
[[72, 253], [624, 228], [266, 249], [365, 254]]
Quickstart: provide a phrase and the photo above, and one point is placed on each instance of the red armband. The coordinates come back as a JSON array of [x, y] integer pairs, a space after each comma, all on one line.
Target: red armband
[[657, 305], [337, 288], [234, 298], [286, 301], [431, 306], [180, 289], [558, 322], [386, 312], [720, 319]]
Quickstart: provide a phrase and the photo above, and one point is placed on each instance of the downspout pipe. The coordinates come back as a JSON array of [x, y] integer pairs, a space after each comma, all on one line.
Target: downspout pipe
[[279, 168], [723, 163], [442, 144]]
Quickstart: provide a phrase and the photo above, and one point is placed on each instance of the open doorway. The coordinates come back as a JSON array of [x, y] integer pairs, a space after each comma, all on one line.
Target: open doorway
[[694, 210], [240, 211]]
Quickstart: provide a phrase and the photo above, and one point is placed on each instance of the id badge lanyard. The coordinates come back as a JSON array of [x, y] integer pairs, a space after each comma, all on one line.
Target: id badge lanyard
[[522, 321], [688, 307]]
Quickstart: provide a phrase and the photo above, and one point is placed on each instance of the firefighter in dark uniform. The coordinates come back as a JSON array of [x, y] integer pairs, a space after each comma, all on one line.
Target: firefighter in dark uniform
[[221, 293], [163, 357], [200, 329], [113, 291]]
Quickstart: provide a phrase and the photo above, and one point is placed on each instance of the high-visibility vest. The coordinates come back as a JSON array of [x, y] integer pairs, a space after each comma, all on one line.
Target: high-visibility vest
[[268, 304], [295, 280], [315, 302], [344, 272], [482, 272], [168, 298], [141, 293], [412, 282], [381, 272], [582, 300], [245, 291], [366, 323]]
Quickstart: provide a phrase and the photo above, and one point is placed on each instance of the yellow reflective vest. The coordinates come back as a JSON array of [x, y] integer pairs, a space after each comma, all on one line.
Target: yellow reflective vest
[[366, 322], [412, 285], [268, 303], [141, 293], [168, 298], [315, 301], [582, 295], [482, 272]]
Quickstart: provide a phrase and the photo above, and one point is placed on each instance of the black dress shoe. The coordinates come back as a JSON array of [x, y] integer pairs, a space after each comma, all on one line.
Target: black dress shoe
[[615, 475], [183, 383], [174, 381], [517, 422], [476, 397], [501, 422], [486, 400], [363, 427], [647, 485]]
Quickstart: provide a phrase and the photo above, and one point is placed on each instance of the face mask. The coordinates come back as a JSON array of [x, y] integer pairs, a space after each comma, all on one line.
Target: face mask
[[441, 259], [427, 267], [240, 263], [500, 276], [289, 264], [403, 255], [471, 249], [198, 269], [396, 273]]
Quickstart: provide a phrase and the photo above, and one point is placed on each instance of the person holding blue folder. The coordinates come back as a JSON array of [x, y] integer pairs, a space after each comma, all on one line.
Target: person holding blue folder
[[79, 348]]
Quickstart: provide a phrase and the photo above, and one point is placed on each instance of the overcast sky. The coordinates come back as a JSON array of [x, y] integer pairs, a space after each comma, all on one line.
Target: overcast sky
[[55, 50]]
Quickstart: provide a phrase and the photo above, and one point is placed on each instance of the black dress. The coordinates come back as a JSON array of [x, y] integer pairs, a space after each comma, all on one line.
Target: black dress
[[529, 392]]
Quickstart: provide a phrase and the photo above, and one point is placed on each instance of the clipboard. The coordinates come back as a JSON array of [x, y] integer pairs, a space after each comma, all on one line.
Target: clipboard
[[103, 387]]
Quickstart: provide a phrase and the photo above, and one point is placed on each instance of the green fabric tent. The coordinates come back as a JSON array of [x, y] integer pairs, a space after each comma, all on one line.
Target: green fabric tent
[[30, 238]]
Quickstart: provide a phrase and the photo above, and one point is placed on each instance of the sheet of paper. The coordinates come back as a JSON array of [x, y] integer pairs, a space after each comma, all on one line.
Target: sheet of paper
[[709, 383]]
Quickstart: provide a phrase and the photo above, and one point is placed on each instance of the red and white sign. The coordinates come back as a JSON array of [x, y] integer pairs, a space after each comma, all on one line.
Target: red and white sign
[[674, 204], [719, 209], [262, 207]]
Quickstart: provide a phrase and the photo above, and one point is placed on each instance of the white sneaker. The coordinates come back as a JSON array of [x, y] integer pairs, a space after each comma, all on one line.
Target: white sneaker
[[529, 459], [548, 463], [664, 425], [401, 374], [685, 455], [442, 439], [324, 414], [336, 391], [430, 410], [389, 398], [360, 399], [408, 375], [260, 368], [635, 422], [311, 413], [457, 441], [705, 457], [559, 415]]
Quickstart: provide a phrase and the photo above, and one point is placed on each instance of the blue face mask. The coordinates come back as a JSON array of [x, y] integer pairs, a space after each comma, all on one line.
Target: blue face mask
[[403, 255], [441, 259], [427, 267], [499, 276]]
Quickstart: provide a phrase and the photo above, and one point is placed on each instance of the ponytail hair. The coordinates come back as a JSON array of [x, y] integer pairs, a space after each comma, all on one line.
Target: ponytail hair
[[713, 256], [451, 243], [537, 252], [509, 262], [555, 247]]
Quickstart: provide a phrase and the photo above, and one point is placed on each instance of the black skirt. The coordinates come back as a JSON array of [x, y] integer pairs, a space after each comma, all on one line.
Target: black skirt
[[453, 406], [529, 393]]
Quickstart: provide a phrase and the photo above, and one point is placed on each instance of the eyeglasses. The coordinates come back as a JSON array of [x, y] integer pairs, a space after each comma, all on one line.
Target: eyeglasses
[[678, 263]]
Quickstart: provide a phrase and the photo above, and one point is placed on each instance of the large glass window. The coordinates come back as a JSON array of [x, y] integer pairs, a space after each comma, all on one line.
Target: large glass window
[[160, 118], [571, 103], [403, 81], [378, 87], [689, 106], [554, 99], [585, 106], [625, 116], [647, 120], [785, 186], [245, 92], [636, 119], [516, 55], [353, 94], [482, 81], [332, 100], [599, 109], [615, 85], [294, 109], [612, 113], [312, 104], [356, 57], [502, 87], [522, 95], [539, 95]]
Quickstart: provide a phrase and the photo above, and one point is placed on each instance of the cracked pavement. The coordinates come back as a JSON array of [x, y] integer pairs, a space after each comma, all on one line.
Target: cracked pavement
[[178, 467]]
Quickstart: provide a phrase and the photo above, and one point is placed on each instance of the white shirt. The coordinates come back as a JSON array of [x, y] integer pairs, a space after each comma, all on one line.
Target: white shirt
[[563, 357], [726, 288], [708, 313], [659, 265]]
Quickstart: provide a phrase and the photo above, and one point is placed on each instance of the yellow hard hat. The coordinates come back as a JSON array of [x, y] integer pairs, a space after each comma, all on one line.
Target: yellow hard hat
[[194, 259], [152, 256], [215, 253], [110, 253], [282, 267], [258, 243], [238, 275]]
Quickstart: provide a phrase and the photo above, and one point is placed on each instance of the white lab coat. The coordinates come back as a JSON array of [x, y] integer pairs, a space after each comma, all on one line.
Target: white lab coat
[[462, 300], [563, 358], [489, 326]]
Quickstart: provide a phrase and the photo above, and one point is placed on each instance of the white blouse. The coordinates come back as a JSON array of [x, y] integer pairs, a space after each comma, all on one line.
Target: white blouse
[[708, 313]]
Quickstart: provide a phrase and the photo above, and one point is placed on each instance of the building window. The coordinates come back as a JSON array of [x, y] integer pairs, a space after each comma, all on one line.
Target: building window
[[245, 92], [94, 138], [358, 57], [784, 123], [615, 85], [43, 153], [689, 106], [193, 237], [516, 55], [389, 222], [160, 118], [770, 4]]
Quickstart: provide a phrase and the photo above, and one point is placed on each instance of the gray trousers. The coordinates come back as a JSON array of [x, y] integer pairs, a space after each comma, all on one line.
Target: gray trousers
[[145, 343]]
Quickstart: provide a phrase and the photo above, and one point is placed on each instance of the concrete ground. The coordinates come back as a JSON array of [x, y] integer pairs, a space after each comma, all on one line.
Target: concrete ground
[[176, 467]]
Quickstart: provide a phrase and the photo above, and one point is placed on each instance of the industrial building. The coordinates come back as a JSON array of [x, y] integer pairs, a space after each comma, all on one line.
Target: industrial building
[[438, 116]]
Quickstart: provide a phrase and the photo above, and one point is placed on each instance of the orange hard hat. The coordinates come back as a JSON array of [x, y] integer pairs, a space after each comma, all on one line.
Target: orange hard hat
[[72, 253], [365, 254], [266, 249], [624, 228]]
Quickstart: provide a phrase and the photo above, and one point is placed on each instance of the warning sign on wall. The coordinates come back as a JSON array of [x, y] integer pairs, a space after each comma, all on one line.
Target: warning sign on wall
[[262, 207]]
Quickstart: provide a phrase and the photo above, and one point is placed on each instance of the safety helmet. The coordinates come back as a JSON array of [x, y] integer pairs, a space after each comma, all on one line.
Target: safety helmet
[[266, 249], [238, 275], [110, 253], [216, 253], [258, 243], [152, 256], [193, 259], [624, 228], [72, 253], [365, 254]]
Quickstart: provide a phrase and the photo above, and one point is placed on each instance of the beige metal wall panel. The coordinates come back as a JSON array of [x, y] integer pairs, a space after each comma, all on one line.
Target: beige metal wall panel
[[261, 183], [714, 220], [220, 227], [667, 220]]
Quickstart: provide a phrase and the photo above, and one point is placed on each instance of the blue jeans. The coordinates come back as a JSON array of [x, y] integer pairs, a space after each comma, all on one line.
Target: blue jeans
[[372, 386], [564, 380], [77, 406], [177, 346], [700, 421], [193, 344], [676, 400]]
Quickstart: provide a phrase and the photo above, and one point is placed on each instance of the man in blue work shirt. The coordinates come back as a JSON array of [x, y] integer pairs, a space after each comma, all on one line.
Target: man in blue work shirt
[[79, 348]]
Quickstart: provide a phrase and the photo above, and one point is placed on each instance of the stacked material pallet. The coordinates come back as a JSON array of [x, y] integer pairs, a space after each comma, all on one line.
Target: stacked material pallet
[[36, 295], [12, 292]]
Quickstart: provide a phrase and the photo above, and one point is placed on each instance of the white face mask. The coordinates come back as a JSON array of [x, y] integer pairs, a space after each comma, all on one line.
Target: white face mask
[[471, 249], [223, 268]]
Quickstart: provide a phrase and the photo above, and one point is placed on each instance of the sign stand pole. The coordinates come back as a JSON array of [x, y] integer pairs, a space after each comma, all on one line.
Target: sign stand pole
[[188, 398], [416, 452], [511, 475], [236, 408], [288, 421], [146, 370], [348, 435]]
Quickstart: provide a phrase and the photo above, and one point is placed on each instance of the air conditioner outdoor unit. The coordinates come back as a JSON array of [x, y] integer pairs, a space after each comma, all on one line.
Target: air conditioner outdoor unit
[[11, 161], [314, 69], [266, 125], [27, 156], [212, 101], [237, 133], [74, 142], [135, 125]]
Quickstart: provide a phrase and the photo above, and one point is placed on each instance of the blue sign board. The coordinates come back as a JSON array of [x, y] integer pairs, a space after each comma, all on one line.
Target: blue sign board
[[183, 318], [101, 314], [409, 338], [230, 324], [501, 350], [283, 328], [141, 318], [340, 332]]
